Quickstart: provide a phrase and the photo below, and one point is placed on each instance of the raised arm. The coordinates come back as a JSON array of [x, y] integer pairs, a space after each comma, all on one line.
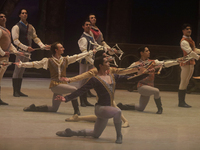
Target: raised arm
[[84, 75], [76, 57]]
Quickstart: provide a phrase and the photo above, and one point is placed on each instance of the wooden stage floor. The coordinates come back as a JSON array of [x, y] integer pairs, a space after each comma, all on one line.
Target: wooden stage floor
[[175, 129]]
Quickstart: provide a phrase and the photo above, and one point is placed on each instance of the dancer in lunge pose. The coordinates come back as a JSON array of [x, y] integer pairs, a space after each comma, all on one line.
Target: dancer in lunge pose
[[5, 48], [91, 73], [146, 86], [104, 85], [57, 66], [187, 69], [22, 34]]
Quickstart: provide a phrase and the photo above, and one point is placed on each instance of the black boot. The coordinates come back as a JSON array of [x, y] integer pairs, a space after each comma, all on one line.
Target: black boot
[[75, 106], [82, 97], [15, 83], [89, 94], [32, 107], [118, 131], [159, 105], [3, 103], [20, 93], [126, 106], [83, 100], [181, 98], [69, 133]]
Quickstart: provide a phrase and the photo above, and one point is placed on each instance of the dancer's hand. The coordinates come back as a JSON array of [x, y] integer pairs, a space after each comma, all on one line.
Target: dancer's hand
[[30, 49], [20, 53], [17, 63], [94, 51], [47, 47], [60, 98], [7, 54], [65, 79]]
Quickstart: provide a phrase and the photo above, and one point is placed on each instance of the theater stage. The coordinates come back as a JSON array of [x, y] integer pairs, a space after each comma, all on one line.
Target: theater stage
[[176, 129]]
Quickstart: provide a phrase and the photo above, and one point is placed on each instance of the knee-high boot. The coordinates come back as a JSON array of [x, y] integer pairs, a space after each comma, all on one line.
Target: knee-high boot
[[181, 99], [32, 107], [75, 106], [2, 102], [159, 105], [118, 131], [126, 106], [83, 100], [69, 133], [15, 83], [20, 84]]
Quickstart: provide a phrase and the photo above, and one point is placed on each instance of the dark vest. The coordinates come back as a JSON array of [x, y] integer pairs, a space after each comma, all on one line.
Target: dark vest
[[89, 46], [23, 32]]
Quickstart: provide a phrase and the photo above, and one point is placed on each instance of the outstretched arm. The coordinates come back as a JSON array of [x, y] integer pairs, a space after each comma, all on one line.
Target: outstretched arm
[[34, 64], [84, 75], [76, 57], [88, 85]]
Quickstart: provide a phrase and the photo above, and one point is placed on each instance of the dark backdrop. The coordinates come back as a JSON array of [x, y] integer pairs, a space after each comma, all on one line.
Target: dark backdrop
[[152, 22]]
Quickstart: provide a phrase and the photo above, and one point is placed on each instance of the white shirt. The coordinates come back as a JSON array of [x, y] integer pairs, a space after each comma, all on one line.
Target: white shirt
[[186, 47], [83, 43], [15, 37]]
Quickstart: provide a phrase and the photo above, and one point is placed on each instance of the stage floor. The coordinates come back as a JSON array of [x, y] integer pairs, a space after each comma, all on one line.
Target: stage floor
[[175, 129]]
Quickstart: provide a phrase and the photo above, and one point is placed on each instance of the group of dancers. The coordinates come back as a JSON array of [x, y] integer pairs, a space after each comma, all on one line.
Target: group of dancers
[[94, 73]]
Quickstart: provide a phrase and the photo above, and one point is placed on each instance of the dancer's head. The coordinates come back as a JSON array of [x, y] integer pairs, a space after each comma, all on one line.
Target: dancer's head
[[86, 26], [101, 63], [23, 14], [92, 18], [186, 29], [57, 48], [144, 52], [2, 19]]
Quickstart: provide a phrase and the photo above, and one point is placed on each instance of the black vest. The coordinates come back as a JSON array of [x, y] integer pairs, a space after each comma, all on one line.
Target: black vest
[[23, 32], [89, 45]]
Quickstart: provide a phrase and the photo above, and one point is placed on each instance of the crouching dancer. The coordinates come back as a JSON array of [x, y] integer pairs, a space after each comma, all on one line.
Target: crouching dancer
[[146, 86], [57, 66], [104, 85]]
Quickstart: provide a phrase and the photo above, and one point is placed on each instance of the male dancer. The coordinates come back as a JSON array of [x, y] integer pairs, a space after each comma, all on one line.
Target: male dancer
[[187, 69], [91, 73], [5, 47], [98, 36], [23, 33], [146, 86], [57, 66], [104, 84]]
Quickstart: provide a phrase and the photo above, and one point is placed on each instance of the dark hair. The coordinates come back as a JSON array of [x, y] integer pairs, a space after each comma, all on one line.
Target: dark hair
[[90, 15], [20, 11], [53, 47], [141, 49], [87, 20], [99, 60], [99, 53], [185, 25], [1, 12]]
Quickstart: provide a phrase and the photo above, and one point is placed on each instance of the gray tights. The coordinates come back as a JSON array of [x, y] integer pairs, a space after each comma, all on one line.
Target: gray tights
[[104, 113], [146, 91], [59, 90]]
